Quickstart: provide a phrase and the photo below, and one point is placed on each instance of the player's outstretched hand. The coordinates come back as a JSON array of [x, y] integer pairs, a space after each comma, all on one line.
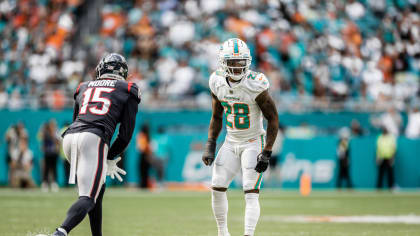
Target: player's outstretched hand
[[209, 150], [262, 161], [113, 170]]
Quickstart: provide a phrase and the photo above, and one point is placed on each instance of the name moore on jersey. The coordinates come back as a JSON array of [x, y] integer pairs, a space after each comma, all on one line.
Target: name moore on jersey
[[101, 104], [243, 116]]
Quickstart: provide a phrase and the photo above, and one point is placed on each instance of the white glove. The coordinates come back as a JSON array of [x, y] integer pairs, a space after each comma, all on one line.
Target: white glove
[[113, 170]]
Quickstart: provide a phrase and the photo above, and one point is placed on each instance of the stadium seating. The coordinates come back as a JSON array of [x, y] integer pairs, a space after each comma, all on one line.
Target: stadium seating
[[333, 55]]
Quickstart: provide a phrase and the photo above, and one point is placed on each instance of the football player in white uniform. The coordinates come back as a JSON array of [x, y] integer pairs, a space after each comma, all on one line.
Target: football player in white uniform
[[243, 96]]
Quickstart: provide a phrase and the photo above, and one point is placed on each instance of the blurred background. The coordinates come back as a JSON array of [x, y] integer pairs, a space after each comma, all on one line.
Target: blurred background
[[344, 76]]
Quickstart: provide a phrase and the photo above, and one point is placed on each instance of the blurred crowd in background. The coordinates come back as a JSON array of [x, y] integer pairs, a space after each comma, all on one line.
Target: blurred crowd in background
[[317, 54], [152, 148]]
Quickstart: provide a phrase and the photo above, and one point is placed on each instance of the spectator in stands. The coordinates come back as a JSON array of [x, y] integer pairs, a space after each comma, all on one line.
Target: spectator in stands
[[4, 97], [182, 81], [413, 126], [354, 53], [50, 146], [21, 166], [386, 147], [15, 101], [392, 121], [143, 144], [343, 154]]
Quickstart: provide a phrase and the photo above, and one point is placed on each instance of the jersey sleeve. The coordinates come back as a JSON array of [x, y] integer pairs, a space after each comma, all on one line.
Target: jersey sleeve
[[212, 81], [258, 84], [134, 91]]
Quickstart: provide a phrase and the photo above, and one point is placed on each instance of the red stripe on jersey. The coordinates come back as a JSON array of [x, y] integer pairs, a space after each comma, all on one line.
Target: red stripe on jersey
[[78, 87], [129, 86]]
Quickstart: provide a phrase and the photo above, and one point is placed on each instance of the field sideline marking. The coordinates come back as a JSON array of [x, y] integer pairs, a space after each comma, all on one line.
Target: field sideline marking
[[369, 219]]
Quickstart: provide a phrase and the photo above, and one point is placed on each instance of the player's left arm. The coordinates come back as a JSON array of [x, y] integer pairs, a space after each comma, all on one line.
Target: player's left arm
[[127, 124], [268, 108]]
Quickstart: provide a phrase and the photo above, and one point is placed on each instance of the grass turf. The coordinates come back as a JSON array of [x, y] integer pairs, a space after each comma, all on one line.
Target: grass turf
[[132, 213]]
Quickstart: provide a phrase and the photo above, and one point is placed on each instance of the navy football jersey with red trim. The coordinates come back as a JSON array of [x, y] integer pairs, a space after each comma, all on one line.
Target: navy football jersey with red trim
[[101, 104]]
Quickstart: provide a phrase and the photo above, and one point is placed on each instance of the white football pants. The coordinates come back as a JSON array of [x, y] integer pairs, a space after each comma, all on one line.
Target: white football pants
[[233, 157], [87, 154]]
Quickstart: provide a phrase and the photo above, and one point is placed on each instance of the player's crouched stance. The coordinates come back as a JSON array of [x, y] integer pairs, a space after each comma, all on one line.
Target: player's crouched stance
[[99, 106], [243, 96]]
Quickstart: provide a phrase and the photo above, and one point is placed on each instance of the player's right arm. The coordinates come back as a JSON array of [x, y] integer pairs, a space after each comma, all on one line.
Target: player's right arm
[[215, 127], [75, 110], [216, 121], [76, 103]]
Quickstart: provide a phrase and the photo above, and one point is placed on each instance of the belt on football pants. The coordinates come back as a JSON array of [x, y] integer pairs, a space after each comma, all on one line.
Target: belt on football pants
[[73, 158]]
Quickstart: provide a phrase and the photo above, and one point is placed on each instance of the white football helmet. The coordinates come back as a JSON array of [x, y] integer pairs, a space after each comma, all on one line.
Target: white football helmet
[[235, 58]]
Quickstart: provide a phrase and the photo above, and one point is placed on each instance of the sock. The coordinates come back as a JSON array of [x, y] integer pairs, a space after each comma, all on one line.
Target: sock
[[77, 213], [252, 212], [62, 231], [219, 204], [95, 215]]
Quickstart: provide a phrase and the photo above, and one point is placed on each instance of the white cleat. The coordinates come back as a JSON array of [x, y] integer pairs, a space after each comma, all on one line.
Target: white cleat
[[44, 187], [54, 187]]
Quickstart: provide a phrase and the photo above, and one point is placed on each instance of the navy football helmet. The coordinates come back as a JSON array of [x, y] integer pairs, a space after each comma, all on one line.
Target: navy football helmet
[[112, 66]]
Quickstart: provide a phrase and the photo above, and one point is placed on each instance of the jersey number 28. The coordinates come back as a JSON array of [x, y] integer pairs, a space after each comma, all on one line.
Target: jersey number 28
[[240, 114], [93, 95]]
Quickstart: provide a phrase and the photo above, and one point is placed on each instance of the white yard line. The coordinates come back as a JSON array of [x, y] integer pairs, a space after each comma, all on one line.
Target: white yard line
[[369, 219]]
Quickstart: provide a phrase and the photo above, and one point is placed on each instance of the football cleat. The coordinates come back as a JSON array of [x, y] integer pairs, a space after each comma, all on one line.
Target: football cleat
[[59, 232]]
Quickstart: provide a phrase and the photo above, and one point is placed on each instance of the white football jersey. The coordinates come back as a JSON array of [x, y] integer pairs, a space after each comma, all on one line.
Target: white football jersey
[[243, 116]]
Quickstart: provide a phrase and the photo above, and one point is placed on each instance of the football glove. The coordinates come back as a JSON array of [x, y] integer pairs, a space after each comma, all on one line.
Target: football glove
[[209, 150], [113, 170], [262, 161]]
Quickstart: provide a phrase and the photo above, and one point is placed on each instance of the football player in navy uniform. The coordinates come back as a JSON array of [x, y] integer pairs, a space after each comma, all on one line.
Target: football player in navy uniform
[[99, 106]]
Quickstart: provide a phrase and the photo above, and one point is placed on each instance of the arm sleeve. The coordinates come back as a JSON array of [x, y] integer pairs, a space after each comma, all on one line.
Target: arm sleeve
[[128, 122]]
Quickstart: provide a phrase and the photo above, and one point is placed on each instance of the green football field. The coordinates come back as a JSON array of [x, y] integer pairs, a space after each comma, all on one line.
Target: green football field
[[133, 212]]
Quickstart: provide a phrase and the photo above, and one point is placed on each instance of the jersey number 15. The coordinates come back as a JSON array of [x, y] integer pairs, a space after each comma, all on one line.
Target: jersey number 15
[[93, 95]]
